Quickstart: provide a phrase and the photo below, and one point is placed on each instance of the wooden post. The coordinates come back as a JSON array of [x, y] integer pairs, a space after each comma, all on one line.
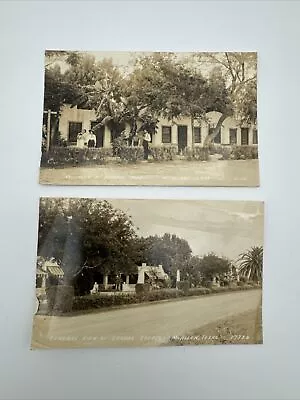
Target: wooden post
[[48, 129]]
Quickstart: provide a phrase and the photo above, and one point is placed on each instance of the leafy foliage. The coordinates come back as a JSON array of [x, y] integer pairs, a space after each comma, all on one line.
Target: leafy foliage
[[168, 250], [159, 84], [61, 156], [196, 153], [90, 302], [211, 265], [163, 153], [86, 233], [251, 264]]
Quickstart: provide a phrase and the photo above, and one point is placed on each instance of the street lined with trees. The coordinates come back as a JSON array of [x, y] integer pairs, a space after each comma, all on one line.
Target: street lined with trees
[[90, 238]]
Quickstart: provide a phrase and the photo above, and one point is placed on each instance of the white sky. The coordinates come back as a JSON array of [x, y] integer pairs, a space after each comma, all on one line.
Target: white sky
[[124, 59], [225, 227]]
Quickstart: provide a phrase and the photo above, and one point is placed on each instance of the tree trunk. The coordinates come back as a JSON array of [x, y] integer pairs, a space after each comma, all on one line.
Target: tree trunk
[[133, 129], [54, 129], [193, 134], [210, 137]]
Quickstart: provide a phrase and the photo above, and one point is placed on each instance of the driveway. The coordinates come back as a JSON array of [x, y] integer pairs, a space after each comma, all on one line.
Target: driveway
[[142, 325]]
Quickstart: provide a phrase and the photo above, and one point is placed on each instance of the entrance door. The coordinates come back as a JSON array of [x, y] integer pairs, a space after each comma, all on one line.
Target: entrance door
[[244, 136], [99, 132], [182, 137]]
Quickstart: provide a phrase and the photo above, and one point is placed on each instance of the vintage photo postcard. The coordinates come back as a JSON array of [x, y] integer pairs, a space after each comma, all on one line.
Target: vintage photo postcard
[[133, 273], [150, 118]]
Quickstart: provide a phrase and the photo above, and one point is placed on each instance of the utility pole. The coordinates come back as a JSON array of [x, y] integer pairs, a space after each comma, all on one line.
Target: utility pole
[[49, 113]]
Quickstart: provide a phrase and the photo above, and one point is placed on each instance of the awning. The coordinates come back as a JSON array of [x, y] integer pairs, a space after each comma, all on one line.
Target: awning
[[40, 272], [56, 271]]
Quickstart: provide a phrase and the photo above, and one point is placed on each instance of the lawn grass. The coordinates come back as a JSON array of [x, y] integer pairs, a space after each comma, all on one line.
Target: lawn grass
[[245, 328]]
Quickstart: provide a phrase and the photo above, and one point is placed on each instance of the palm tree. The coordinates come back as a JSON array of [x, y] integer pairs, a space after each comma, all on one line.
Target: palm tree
[[251, 263]]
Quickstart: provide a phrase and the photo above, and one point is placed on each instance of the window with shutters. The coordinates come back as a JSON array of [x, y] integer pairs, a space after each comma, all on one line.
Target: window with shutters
[[255, 137], [166, 134], [74, 129], [197, 134], [233, 136], [244, 136]]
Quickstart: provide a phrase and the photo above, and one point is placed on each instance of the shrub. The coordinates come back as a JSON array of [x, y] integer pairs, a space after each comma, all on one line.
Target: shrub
[[97, 301], [207, 283], [225, 282], [184, 286], [196, 153], [212, 148], [142, 288], [131, 154], [219, 289], [226, 152], [199, 291], [58, 140], [117, 144], [164, 294], [60, 298], [163, 153], [60, 156], [88, 302], [244, 152]]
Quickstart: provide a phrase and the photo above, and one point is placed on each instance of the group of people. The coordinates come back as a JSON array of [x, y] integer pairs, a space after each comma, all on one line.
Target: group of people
[[86, 139], [142, 138]]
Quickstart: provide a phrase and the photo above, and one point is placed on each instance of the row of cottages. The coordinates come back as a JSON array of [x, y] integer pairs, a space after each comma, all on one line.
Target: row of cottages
[[179, 132], [126, 283]]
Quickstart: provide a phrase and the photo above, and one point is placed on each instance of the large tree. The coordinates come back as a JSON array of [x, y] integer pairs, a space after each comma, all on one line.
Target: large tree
[[251, 263], [86, 234], [233, 88], [191, 271], [161, 85], [169, 250], [212, 265]]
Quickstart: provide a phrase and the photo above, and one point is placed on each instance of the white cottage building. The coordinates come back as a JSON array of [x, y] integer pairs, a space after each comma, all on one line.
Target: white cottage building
[[178, 132]]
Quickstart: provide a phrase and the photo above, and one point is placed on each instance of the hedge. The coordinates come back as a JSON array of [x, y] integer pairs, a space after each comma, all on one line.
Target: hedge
[[234, 152], [244, 152], [184, 286], [142, 288], [197, 153], [131, 154], [60, 156], [89, 302], [163, 153]]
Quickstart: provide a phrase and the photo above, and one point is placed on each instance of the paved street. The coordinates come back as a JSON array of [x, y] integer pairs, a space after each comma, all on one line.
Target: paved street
[[142, 325], [172, 173]]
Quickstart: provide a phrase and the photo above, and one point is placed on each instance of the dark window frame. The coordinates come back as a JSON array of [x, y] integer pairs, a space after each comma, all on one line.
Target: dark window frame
[[255, 136], [232, 131], [198, 136], [243, 131], [69, 130], [163, 134]]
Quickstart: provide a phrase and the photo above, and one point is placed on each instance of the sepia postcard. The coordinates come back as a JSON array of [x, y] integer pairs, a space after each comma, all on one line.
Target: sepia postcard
[[135, 273], [150, 118]]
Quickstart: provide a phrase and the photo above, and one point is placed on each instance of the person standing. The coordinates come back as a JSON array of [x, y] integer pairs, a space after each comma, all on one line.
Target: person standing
[[91, 139], [80, 139], [146, 141]]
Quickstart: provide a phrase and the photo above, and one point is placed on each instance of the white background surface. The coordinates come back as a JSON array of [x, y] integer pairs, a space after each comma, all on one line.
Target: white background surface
[[270, 371]]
